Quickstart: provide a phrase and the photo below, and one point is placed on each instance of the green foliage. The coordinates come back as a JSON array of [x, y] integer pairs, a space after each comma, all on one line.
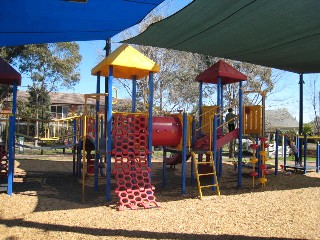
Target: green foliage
[[307, 129], [39, 103], [5, 91], [50, 65]]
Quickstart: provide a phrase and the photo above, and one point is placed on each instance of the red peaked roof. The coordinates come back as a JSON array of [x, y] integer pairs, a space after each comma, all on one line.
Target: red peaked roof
[[8, 74], [221, 69]]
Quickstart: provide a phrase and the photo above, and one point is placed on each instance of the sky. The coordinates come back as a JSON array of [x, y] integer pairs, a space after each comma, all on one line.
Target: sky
[[285, 94]]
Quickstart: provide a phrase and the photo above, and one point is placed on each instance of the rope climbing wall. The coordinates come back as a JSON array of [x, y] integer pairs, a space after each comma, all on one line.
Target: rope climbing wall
[[130, 151]]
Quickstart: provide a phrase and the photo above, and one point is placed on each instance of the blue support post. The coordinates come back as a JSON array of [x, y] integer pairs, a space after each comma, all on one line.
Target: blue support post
[[134, 93], [11, 143], [200, 107], [305, 153], [318, 157], [259, 160], [240, 136], [184, 152], [214, 139], [96, 143], [107, 48], [218, 124], [298, 145], [11, 154], [221, 122], [301, 82], [150, 119], [109, 136], [277, 157], [214, 142], [285, 153]]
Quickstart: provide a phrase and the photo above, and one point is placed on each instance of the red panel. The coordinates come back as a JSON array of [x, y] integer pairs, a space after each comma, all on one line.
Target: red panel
[[221, 69], [227, 138], [166, 131], [8, 74], [131, 169]]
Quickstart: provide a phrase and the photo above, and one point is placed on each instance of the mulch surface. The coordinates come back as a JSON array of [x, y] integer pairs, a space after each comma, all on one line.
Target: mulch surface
[[47, 204]]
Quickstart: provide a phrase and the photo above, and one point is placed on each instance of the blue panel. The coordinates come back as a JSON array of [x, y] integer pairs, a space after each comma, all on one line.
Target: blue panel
[[38, 21]]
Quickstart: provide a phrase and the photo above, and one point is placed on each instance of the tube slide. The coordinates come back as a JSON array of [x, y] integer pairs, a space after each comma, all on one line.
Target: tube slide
[[166, 131]]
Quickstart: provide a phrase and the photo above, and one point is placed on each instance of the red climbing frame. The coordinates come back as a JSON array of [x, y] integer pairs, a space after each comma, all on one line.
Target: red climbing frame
[[3, 162], [130, 151]]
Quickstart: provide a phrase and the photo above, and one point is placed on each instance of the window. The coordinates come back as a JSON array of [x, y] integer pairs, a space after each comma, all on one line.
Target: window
[[58, 112]]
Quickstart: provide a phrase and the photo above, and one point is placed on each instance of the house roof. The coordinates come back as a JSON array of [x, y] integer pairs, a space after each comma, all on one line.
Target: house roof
[[127, 62], [221, 69], [38, 21], [8, 74], [280, 119], [280, 34], [58, 98]]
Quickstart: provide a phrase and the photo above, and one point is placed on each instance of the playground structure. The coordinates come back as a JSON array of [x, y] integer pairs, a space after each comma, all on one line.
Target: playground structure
[[129, 137], [176, 133], [55, 131], [258, 161], [302, 145]]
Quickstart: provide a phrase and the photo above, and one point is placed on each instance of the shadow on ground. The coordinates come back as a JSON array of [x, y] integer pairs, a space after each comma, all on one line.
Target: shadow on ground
[[122, 232], [58, 189]]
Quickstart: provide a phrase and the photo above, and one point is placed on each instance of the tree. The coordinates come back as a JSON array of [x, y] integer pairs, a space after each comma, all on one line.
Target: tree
[[174, 85], [315, 97], [49, 66], [5, 91]]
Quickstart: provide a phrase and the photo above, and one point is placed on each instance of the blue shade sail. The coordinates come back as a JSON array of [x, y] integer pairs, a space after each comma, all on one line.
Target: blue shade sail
[[46, 21]]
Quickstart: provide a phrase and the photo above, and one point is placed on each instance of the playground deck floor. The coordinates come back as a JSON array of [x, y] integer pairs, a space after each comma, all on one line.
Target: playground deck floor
[[47, 205]]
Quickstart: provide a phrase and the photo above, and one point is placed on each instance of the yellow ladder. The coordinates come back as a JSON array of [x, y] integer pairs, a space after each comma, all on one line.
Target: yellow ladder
[[213, 173]]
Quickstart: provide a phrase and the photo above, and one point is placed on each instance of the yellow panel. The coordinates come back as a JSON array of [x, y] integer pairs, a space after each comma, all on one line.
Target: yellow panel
[[252, 120], [127, 62], [207, 115], [189, 130]]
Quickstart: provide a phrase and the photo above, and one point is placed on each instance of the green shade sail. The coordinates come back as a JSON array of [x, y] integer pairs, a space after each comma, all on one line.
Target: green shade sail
[[283, 34]]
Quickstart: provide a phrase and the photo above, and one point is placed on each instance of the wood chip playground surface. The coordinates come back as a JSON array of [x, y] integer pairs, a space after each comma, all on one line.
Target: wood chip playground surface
[[47, 204]]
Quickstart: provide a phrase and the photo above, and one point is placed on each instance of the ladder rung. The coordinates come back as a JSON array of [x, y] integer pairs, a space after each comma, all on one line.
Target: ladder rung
[[206, 174], [204, 162], [207, 186]]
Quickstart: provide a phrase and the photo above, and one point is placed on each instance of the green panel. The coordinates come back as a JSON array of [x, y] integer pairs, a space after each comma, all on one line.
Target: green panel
[[282, 34]]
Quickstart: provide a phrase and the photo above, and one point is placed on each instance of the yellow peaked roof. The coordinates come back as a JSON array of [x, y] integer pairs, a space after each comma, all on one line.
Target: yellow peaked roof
[[126, 62]]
